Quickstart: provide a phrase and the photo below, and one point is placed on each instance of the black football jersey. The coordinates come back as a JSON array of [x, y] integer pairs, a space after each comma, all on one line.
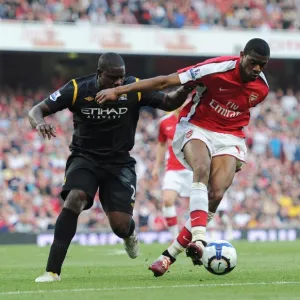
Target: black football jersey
[[105, 132]]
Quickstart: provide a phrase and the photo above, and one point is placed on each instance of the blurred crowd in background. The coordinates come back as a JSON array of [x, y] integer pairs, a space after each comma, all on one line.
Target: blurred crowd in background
[[266, 193], [202, 14]]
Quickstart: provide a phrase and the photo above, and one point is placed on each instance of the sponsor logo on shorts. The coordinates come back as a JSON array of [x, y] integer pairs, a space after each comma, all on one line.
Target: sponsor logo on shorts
[[189, 134]]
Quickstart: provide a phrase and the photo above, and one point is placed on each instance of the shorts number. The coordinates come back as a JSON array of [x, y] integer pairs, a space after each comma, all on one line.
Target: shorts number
[[133, 193]]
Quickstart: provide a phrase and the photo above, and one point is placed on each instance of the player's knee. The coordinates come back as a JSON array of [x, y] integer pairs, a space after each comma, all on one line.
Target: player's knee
[[167, 200], [121, 230], [76, 201], [215, 197], [201, 172]]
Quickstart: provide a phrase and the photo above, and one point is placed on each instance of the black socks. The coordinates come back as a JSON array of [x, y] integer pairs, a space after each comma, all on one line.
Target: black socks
[[65, 229], [132, 227]]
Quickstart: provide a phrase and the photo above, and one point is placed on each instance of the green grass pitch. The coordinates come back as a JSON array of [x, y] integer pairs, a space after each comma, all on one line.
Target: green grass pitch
[[264, 271]]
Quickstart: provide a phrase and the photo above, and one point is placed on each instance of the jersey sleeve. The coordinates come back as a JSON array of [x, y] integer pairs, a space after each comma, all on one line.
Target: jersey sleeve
[[202, 72], [64, 97], [161, 133]]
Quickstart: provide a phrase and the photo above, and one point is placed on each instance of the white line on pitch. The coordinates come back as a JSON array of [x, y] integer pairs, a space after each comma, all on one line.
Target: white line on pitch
[[146, 287]]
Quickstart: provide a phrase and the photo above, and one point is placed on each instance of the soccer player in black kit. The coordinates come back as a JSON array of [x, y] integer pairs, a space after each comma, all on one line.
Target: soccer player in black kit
[[103, 136]]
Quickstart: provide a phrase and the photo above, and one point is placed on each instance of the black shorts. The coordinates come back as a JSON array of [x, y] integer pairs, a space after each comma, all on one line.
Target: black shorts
[[116, 184]]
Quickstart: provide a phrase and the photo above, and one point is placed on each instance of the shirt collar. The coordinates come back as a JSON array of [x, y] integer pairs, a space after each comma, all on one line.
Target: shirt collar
[[237, 72]]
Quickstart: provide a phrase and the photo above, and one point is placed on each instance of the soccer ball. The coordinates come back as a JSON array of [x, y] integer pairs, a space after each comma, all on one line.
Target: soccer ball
[[219, 257]]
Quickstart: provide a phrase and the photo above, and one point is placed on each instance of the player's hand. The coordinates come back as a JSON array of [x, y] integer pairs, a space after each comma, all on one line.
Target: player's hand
[[46, 130], [106, 95], [154, 173]]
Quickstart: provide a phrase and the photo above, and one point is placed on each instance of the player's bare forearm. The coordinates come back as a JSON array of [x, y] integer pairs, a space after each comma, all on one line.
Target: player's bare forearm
[[36, 116], [37, 113], [160, 154], [175, 99], [152, 84], [156, 83], [36, 119]]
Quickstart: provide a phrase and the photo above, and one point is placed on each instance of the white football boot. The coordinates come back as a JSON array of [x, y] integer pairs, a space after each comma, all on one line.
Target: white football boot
[[48, 277], [131, 245]]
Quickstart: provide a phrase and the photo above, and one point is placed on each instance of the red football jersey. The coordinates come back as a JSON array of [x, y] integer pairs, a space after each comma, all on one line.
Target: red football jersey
[[167, 127], [222, 100]]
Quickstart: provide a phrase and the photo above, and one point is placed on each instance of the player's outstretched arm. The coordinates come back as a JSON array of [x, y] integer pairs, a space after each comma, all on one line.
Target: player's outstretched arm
[[160, 154], [36, 118], [156, 83], [175, 99]]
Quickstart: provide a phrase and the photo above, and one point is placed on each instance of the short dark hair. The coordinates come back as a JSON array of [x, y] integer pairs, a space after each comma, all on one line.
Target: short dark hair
[[258, 46], [110, 60]]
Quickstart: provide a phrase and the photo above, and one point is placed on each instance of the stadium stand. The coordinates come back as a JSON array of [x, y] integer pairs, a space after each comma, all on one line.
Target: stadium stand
[[204, 14]]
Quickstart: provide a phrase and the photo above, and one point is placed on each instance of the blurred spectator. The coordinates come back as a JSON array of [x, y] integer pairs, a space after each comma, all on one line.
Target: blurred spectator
[[204, 14]]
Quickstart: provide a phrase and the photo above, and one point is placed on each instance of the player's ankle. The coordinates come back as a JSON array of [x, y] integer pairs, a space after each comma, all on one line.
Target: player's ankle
[[166, 253], [204, 243]]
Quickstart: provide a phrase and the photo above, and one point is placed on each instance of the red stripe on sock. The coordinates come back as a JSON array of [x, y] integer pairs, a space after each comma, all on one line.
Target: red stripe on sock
[[184, 237], [198, 218], [171, 221]]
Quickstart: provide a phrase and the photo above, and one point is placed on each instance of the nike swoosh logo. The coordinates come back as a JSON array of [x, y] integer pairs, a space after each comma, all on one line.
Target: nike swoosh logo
[[195, 219], [184, 237], [222, 90]]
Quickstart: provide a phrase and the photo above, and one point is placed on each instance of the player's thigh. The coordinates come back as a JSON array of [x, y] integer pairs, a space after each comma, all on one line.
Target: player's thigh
[[80, 175], [198, 157], [222, 172], [117, 190], [191, 145]]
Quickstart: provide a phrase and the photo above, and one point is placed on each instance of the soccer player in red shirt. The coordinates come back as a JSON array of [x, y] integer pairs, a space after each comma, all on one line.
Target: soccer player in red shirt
[[177, 179], [209, 137]]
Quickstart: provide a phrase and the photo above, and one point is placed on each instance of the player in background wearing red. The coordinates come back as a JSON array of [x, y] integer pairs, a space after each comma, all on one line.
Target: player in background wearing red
[[209, 137], [177, 179]]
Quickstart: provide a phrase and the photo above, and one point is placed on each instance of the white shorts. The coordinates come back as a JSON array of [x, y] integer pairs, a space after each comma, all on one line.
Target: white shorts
[[179, 181], [217, 143]]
